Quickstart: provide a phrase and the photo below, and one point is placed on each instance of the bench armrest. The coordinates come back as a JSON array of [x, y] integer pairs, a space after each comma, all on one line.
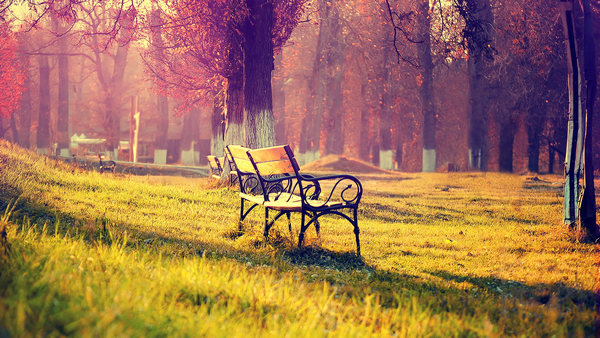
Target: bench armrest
[[346, 190], [288, 185]]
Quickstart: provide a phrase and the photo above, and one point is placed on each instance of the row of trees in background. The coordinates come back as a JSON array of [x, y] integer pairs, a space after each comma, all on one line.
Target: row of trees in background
[[426, 85], [417, 85]]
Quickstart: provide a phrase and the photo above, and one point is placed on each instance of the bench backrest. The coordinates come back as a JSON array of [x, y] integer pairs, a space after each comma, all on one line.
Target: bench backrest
[[273, 161], [276, 168], [229, 161], [215, 165], [246, 175], [239, 156]]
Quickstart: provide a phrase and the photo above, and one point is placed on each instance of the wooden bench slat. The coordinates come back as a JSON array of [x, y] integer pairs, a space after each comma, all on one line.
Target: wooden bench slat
[[240, 157], [282, 198], [244, 165], [269, 154], [284, 206], [238, 151], [258, 199], [296, 205], [275, 167]]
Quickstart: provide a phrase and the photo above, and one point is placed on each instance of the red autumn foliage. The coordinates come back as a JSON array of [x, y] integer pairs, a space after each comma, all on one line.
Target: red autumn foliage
[[189, 58], [11, 76]]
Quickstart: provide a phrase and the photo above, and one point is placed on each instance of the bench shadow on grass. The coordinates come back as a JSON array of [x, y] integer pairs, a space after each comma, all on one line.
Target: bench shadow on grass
[[540, 293], [356, 271], [382, 212]]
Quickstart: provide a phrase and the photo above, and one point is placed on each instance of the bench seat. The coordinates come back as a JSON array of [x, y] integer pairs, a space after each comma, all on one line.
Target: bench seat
[[274, 199]]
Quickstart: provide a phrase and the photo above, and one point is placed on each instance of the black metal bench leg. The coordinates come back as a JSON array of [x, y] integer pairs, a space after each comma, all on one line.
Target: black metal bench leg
[[243, 213], [242, 210], [356, 232], [267, 225], [289, 222], [317, 226], [302, 230]]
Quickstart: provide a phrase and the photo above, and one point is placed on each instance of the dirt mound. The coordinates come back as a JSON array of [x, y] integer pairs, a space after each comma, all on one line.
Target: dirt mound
[[342, 164]]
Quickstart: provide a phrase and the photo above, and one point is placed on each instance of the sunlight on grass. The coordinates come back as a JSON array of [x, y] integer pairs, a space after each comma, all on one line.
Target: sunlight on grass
[[461, 254]]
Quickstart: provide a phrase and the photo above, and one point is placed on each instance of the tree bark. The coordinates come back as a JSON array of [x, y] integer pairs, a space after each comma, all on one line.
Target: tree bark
[[316, 91], [534, 130], [572, 166], [2, 129], [63, 139], [43, 130], [25, 106], [162, 130], [279, 102], [13, 128], [217, 123], [190, 137], [365, 123], [336, 55], [234, 97], [506, 126], [587, 212], [477, 117], [478, 99], [386, 160], [115, 97], [258, 65], [162, 127], [426, 87]]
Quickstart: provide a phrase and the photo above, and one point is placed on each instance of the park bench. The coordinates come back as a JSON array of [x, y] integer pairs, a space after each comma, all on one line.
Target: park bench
[[286, 190], [216, 167], [250, 194]]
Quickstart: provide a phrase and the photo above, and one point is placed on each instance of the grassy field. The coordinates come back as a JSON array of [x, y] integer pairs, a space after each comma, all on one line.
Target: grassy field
[[444, 255]]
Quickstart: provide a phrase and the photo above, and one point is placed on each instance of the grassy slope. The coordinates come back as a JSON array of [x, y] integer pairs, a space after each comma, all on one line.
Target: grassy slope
[[443, 255]]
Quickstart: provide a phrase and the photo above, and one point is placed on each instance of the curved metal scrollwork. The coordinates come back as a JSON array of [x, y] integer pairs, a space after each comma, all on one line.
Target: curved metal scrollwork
[[346, 190], [312, 191], [251, 185]]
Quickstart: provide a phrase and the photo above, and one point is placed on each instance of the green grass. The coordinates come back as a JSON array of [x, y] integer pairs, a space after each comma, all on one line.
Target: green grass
[[444, 255]]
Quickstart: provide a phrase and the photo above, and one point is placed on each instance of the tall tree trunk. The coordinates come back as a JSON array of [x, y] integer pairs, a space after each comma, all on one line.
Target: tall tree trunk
[[233, 101], [316, 91], [162, 127], [217, 124], [534, 130], [43, 130], [335, 140], [2, 129], [572, 169], [506, 126], [365, 123], [162, 130], [63, 139], [258, 65], [234, 96], [559, 140], [386, 160], [478, 138], [426, 87], [13, 128], [25, 106], [336, 55], [477, 121], [587, 212], [115, 96], [190, 137], [304, 143], [279, 102]]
